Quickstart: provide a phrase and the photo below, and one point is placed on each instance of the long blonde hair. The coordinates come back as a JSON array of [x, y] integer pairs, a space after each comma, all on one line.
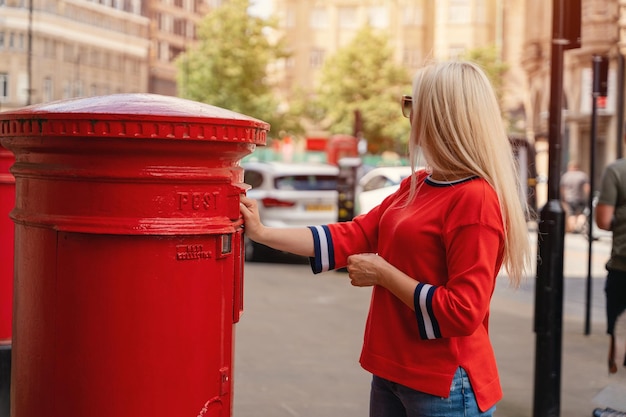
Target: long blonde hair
[[456, 122]]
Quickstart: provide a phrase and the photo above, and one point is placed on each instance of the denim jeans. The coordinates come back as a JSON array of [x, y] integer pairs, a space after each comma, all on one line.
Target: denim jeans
[[388, 399]]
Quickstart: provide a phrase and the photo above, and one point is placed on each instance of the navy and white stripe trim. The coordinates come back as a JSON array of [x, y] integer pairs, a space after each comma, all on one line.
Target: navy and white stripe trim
[[324, 259], [423, 302]]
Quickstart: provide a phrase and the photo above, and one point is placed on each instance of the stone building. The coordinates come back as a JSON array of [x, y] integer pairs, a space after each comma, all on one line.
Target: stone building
[[418, 30], [602, 34], [57, 49], [172, 30]]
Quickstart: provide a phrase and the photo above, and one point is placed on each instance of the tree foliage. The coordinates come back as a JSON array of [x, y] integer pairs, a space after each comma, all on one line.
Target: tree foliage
[[363, 76], [227, 67]]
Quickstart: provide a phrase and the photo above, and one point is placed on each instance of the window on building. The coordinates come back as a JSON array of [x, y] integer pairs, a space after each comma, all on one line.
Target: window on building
[[49, 48], [378, 17], [348, 18], [455, 51], [289, 20], [412, 16], [137, 6], [21, 90], [4, 86], [460, 11], [319, 18], [481, 11], [3, 2], [94, 58], [164, 52], [165, 22], [316, 58], [48, 90], [68, 52], [2, 39], [179, 27], [411, 57], [116, 62], [93, 90], [67, 89], [79, 90]]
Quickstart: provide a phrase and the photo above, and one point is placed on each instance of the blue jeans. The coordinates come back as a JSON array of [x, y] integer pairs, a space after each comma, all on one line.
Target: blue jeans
[[388, 399]]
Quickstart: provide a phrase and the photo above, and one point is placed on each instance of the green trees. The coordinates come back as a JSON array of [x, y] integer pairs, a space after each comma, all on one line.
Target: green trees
[[227, 68], [363, 76]]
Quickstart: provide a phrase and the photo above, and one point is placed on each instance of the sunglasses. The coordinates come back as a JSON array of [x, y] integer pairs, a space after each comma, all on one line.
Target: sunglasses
[[407, 106]]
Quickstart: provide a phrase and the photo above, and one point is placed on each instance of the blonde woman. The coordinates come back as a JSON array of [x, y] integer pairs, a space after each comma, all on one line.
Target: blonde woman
[[431, 251]]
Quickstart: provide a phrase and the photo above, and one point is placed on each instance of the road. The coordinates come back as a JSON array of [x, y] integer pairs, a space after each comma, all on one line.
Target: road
[[298, 342]]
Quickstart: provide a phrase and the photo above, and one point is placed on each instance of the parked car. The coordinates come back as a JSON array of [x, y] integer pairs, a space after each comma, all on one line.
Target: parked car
[[290, 195], [378, 183]]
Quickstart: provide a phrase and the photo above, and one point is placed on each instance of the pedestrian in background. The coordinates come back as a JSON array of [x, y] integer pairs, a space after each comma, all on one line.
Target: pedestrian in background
[[610, 214], [575, 196], [431, 251]]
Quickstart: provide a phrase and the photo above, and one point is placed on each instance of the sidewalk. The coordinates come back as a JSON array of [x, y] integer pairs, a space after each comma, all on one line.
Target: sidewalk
[[585, 382]]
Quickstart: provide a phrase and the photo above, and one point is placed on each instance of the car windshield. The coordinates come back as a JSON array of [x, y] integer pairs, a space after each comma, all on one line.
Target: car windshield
[[306, 182]]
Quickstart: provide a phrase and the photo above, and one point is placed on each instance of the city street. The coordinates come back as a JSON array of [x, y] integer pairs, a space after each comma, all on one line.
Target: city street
[[298, 342]]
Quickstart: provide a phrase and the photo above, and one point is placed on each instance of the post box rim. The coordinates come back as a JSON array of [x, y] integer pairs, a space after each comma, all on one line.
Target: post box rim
[[137, 108]]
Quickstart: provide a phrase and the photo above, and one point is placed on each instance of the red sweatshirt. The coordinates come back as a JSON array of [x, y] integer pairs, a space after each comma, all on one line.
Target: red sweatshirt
[[450, 238]]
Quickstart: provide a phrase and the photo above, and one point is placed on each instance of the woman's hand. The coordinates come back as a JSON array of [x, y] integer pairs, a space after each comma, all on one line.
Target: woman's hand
[[250, 212], [366, 269], [369, 269]]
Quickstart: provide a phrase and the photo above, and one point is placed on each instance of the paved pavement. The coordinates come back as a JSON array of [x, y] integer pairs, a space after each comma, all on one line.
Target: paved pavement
[[298, 342]]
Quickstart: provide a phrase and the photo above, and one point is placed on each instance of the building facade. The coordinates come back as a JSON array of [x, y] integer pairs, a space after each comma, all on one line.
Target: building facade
[[59, 49], [173, 26], [418, 30], [603, 34]]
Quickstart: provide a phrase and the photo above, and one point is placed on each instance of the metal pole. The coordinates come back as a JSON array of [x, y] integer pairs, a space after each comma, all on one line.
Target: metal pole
[[620, 105], [549, 285], [549, 294], [592, 152]]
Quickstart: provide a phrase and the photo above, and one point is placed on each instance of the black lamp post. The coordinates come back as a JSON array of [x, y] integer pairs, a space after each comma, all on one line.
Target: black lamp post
[[549, 286]]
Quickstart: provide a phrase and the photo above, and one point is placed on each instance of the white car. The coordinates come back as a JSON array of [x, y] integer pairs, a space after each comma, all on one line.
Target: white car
[[374, 186], [290, 195]]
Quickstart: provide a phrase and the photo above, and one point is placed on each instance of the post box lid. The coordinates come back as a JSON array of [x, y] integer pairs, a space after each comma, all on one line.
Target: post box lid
[[139, 115]]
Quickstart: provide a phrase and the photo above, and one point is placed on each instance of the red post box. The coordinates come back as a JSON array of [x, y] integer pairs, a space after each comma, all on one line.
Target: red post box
[[128, 255], [341, 146], [7, 200]]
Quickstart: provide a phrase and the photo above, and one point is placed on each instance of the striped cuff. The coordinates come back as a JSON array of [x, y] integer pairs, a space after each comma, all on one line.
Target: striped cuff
[[423, 302], [324, 259]]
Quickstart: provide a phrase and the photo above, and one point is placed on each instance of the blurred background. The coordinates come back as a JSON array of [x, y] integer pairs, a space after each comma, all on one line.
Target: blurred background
[[318, 69]]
